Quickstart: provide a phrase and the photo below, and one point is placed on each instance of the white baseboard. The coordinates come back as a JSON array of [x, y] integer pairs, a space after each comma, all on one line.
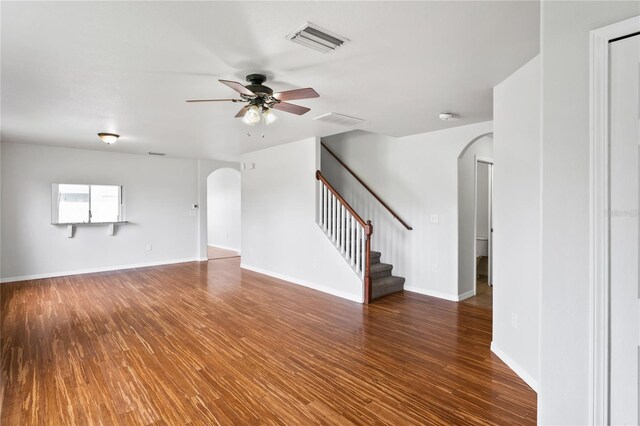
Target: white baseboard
[[329, 290], [94, 270], [466, 295], [223, 247], [439, 295], [533, 384]]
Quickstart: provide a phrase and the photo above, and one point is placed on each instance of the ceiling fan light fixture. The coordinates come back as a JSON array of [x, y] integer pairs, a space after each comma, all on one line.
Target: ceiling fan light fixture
[[252, 116], [269, 116], [108, 138]]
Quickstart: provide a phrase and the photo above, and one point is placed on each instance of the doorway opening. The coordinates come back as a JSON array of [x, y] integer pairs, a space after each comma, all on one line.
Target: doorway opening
[[483, 289], [223, 214], [475, 181]]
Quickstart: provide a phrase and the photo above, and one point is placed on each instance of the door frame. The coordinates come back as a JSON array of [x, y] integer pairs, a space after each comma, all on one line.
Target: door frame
[[480, 159], [599, 339]]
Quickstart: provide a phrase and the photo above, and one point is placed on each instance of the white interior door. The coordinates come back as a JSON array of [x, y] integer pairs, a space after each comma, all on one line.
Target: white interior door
[[624, 222]]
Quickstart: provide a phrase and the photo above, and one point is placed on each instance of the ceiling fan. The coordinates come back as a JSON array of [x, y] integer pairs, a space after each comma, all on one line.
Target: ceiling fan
[[261, 100]]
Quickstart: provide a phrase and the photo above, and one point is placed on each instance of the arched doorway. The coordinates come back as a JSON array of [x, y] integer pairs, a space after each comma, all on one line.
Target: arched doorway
[[475, 182], [223, 214]]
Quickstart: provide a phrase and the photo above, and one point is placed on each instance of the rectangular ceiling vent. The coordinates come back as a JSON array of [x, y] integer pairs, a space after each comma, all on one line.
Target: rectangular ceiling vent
[[340, 119], [317, 38], [157, 153]]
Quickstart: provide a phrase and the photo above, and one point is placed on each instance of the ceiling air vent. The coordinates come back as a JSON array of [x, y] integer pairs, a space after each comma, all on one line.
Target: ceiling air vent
[[157, 153], [317, 38], [340, 119]]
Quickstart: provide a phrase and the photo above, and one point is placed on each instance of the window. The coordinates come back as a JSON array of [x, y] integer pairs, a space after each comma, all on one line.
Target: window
[[105, 203], [72, 203]]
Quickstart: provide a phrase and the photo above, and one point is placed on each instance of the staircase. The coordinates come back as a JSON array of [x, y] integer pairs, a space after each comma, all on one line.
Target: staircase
[[382, 282], [352, 237]]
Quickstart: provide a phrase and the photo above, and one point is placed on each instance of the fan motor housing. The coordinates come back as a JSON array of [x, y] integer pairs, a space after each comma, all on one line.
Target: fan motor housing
[[256, 85]]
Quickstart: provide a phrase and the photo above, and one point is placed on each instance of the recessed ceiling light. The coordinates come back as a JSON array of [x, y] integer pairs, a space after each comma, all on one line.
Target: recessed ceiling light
[[108, 138], [449, 116]]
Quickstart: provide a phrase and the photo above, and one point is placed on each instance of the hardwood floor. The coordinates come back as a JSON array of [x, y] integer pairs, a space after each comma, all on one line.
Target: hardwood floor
[[484, 294], [209, 343], [218, 253]]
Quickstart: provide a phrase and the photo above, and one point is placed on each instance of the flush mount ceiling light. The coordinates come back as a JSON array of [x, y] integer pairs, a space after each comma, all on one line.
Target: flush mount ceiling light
[[108, 138], [449, 116]]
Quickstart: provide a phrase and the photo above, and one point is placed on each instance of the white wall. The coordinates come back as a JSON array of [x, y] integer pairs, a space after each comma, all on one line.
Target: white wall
[[279, 232], [158, 194], [564, 368], [417, 176], [517, 210], [466, 167], [223, 204]]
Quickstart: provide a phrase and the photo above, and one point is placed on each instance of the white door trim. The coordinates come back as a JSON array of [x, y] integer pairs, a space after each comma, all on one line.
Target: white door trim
[[599, 224]]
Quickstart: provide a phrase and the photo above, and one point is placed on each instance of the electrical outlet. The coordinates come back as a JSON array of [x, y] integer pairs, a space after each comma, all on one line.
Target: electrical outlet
[[434, 218], [149, 247], [434, 267], [315, 263], [514, 320]]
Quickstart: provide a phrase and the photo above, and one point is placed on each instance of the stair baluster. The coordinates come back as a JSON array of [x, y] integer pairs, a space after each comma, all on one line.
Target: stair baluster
[[324, 208], [347, 230], [351, 235]]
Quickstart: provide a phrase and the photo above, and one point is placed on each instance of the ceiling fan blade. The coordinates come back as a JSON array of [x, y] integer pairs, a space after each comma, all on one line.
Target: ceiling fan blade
[[293, 109], [238, 87], [243, 111], [214, 100], [292, 95]]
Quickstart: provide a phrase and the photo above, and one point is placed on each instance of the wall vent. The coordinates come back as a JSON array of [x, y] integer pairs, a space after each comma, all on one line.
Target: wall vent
[[317, 38], [157, 153], [340, 119]]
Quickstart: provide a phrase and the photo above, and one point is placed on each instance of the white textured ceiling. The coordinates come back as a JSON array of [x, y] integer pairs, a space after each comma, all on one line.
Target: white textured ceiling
[[73, 69]]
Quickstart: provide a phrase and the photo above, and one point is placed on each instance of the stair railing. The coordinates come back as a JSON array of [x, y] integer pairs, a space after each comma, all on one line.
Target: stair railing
[[365, 186], [347, 230]]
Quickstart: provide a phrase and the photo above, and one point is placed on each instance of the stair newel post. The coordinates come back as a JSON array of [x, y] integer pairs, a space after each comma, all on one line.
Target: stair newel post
[[368, 230]]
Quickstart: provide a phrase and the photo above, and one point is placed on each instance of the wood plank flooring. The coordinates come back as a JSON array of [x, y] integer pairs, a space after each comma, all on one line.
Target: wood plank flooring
[[218, 253], [208, 343], [484, 294]]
